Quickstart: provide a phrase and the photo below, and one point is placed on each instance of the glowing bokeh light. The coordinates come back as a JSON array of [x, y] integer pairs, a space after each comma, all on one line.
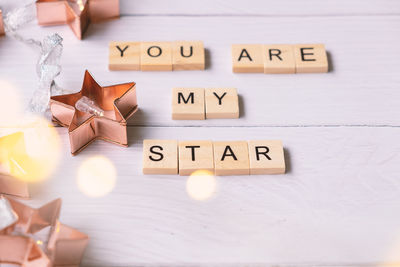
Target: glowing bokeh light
[[96, 176], [201, 185], [10, 105], [33, 154], [81, 5]]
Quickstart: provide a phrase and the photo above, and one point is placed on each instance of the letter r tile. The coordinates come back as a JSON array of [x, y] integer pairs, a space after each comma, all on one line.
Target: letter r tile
[[160, 157], [188, 104], [266, 157], [279, 59]]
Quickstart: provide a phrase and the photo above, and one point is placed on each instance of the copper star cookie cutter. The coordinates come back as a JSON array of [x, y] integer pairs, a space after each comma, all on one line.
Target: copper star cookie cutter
[[76, 13], [118, 102], [21, 243]]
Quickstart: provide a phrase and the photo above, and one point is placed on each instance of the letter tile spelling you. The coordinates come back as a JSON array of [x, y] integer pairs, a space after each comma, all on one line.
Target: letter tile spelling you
[[156, 56], [188, 55], [124, 56]]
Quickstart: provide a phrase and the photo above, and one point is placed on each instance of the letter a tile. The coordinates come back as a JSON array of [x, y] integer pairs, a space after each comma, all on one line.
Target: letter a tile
[[231, 158], [188, 104], [247, 58], [160, 157]]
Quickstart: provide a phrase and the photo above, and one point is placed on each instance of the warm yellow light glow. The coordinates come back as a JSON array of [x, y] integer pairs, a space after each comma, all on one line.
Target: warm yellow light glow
[[33, 153], [58, 227], [39, 242], [392, 251], [10, 105], [201, 185], [80, 4], [96, 176]]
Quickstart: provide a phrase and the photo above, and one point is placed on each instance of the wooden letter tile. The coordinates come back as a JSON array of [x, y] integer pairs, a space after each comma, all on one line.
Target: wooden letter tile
[[124, 56], [247, 58], [195, 155], [222, 103], [311, 58], [156, 56], [188, 104], [231, 158], [160, 157], [279, 59], [188, 55], [266, 157]]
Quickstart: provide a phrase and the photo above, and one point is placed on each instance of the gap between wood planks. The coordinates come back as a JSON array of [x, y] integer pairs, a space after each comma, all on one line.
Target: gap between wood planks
[[268, 126], [265, 15], [244, 126]]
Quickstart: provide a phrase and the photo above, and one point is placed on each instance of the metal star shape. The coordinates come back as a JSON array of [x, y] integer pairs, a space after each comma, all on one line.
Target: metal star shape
[[76, 13], [31, 220], [65, 246], [118, 102], [22, 251]]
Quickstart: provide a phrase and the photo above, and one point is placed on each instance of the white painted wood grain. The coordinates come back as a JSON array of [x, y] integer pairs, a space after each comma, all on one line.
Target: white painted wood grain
[[259, 7], [361, 89], [245, 8], [337, 204]]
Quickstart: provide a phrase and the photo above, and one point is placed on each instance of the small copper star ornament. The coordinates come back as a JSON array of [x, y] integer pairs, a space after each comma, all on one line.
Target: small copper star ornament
[[23, 243], [117, 102], [22, 251], [76, 13], [31, 220]]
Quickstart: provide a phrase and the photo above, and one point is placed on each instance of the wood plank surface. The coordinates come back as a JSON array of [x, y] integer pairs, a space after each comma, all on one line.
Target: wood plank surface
[[259, 7], [336, 206], [337, 201], [251, 7], [361, 88]]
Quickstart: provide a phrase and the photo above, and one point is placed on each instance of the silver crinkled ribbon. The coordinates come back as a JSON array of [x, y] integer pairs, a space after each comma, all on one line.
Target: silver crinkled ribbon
[[48, 66]]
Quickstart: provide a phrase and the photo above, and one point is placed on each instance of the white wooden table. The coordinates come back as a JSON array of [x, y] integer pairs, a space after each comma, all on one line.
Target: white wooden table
[[339, 202]]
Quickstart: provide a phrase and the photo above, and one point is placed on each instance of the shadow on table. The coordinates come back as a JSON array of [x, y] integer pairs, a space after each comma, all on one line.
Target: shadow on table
[[207, 55], [241, 107], [331, 65], [287, 160]]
